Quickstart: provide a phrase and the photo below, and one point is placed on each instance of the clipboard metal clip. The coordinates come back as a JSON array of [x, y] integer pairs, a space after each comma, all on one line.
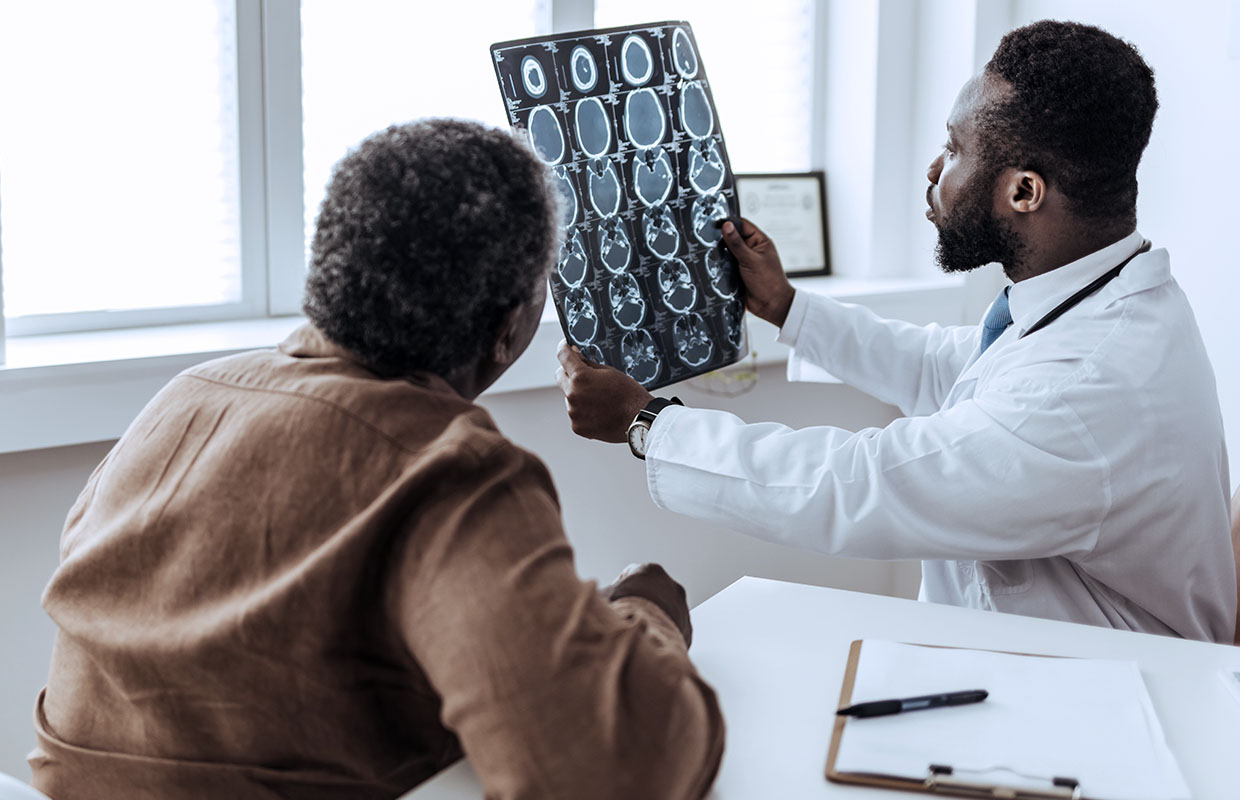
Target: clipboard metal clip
[[942, 779]]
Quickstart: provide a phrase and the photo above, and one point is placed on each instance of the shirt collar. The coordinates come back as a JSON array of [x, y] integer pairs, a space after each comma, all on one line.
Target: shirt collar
[[307, 341], [1033, 298]]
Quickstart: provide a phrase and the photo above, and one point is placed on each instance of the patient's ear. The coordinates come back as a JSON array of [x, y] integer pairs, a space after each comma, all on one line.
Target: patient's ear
[[512, 337]]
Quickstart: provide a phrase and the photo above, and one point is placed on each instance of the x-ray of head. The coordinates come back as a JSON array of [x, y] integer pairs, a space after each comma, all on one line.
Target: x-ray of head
[[708, 211], [590, 352], [568, 197], [628, 307], [676, 285], [593, 125], [653, 176], [660, 233], [722, 273], [614, 248], [626, 121], [692, 338], [706, 167], [733, 315], [546, 135], [605, 189], [584, 69], [636, 60], [683, 54], [573, 265], [641, 356], [533, 76], [695, 113], [581, 316], [645, 122]]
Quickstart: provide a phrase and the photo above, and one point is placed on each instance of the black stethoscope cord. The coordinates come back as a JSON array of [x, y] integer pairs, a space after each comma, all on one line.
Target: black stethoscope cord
[[1094, 286]]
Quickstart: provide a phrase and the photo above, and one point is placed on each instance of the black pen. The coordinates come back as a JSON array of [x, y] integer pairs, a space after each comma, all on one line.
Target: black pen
[[880, 707]]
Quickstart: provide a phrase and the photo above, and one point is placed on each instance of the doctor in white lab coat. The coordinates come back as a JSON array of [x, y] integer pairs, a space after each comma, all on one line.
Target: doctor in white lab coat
[[1062, 459]]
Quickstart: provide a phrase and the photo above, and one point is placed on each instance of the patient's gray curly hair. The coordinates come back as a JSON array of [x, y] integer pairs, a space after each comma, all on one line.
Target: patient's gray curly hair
[[430, 233]]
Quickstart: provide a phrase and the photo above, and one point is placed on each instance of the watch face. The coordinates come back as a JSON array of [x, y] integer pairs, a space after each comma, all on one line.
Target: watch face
[[637, 438]]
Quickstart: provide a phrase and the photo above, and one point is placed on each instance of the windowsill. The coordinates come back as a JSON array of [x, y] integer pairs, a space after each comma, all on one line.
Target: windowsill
[[69, 389]]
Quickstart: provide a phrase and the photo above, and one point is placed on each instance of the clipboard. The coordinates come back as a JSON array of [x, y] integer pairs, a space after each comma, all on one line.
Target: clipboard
[[940, 778]]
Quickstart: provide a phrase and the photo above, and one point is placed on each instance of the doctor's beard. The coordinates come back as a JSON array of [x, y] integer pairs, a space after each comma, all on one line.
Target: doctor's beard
[[971, 236]]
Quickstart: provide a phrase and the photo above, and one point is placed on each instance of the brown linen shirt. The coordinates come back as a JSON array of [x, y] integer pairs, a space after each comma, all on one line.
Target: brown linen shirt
[[294, 578]]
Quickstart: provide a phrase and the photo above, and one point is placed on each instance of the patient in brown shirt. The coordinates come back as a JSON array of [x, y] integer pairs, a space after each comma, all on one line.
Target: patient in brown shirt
[[320, 571]]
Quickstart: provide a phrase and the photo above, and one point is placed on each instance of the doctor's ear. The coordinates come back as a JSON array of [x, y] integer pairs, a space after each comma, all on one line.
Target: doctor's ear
[[1023, 190]]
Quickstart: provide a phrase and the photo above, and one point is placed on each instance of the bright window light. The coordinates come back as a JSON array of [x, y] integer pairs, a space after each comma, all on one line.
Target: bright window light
[[368, 64], [118, 155]]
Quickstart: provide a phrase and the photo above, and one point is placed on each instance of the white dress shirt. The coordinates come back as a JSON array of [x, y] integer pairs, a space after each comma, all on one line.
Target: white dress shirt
[[1079, 473]]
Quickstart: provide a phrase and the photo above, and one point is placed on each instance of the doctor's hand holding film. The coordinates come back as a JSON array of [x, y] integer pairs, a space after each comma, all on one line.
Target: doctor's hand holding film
[[601, 400], [768, 292]]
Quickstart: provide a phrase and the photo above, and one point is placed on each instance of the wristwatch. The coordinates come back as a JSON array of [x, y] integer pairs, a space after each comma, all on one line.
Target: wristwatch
[[639, 430]]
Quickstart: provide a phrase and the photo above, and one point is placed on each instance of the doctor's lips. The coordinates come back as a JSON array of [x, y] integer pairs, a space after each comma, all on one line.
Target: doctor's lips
[[929, 203]]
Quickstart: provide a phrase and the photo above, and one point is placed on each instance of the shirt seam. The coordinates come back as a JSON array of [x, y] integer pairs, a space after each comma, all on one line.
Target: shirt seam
[[350, 415]]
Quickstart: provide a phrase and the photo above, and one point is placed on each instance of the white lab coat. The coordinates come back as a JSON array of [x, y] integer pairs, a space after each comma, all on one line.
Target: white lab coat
[[1078, 474]]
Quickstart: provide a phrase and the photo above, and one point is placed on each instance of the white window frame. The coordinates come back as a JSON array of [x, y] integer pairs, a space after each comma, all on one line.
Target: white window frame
[[271, 176], [254, 302]]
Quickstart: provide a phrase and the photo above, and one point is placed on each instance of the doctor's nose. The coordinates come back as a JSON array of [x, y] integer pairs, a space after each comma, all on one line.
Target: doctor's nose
[[935, 169]]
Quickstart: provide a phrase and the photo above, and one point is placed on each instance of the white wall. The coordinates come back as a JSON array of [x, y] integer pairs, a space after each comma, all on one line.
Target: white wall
[[607, 512], [1187, 201]]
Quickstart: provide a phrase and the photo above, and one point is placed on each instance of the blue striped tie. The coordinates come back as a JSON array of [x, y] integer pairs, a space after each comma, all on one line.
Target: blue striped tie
[[998, 318]]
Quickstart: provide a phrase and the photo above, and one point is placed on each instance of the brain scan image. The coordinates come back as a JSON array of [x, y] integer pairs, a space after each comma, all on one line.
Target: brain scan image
[[707, 211], [572, 263], [660, 233], [628, 307], [580, 316], [605, 187], [683, 54], [568, 194], [645, 122], [676, 285], [722, 273], [695, 113], [593, 125], [692, 339], [706, 168], [652, 176], [640, 356], [733, 315], [636, 61], [614, 248], [533, 77], [545, 134], [624, 118], [590, 352], [584, 70]]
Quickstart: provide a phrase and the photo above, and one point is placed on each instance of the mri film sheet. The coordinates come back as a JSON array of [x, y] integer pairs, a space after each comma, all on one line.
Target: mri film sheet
[[625, 119]]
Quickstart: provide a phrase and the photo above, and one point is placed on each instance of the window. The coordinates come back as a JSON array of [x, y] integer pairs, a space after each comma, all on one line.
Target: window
[[367, 65], [163, 162], [119, 180]]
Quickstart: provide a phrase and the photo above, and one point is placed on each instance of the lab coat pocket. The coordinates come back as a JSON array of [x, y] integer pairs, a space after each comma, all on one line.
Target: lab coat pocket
[[1007, 577]]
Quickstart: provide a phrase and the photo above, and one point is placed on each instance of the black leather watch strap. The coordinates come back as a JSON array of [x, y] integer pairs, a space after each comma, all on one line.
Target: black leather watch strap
[[656, 405]]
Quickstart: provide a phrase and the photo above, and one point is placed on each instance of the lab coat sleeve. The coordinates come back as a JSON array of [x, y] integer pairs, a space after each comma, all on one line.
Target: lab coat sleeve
[[987, 479], [909, 366]]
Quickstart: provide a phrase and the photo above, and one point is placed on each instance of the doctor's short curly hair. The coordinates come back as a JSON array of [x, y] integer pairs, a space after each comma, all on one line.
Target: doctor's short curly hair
[[430, 233], [1080, 114]]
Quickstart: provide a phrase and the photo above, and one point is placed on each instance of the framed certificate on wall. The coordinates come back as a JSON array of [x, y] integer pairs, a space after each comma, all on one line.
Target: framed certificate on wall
[[791, 208]]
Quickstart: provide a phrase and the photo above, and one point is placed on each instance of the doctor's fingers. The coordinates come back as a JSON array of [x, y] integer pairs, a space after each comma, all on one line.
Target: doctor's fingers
[[570, 358]]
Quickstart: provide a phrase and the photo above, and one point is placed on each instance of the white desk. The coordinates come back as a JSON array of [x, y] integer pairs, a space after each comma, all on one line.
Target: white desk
[[775, 653]]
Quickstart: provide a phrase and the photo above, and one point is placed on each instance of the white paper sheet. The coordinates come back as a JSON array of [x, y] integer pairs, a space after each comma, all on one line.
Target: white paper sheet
[[1087, 719]]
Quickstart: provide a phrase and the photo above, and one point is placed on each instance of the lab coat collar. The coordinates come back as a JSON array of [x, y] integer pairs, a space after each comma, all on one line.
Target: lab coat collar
[[1033, 298]]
